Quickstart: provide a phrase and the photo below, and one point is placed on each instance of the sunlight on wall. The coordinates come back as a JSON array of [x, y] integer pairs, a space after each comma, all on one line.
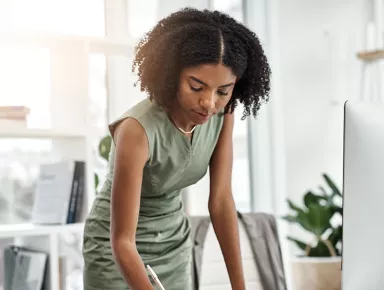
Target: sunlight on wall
[[25, 76], [84, 17]]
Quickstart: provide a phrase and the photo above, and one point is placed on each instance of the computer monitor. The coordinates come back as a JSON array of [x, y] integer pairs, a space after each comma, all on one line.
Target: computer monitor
[[363, 197]]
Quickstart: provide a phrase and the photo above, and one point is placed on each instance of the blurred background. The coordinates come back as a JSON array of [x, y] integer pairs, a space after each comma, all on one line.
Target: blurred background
[[67, 63]]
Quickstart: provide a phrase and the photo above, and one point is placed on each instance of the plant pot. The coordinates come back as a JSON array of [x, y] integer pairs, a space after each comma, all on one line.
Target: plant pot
[[311, 273]]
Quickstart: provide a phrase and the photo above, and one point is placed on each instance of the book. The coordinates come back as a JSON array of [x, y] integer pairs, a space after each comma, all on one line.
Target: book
[[77, 193], [59, 193], [24, 268]]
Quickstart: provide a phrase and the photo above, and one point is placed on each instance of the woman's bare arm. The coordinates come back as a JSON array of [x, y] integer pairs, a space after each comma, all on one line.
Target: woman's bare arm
[[130, 157], [222, 207]]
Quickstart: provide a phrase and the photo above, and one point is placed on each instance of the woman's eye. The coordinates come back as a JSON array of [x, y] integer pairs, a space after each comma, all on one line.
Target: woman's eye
[[195, 89], [222, 93]]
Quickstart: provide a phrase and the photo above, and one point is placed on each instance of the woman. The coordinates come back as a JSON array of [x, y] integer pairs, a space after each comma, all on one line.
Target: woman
[[195, 66]]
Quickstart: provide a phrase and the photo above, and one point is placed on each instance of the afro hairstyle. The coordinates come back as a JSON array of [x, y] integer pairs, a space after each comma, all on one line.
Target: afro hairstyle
[[191, 37]]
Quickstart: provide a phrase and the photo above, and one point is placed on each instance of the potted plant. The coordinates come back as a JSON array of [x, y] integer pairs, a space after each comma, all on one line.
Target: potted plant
[[319, 266], [104, 148]]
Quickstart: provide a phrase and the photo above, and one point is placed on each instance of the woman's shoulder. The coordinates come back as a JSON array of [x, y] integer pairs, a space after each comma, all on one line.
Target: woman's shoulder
[[141, 110], [146, 112]]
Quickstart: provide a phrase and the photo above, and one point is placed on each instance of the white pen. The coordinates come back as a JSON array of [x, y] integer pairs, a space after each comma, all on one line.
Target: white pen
[[155, 278]]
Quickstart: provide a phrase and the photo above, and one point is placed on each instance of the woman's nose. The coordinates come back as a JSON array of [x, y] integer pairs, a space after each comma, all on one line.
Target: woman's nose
[[208, 102]]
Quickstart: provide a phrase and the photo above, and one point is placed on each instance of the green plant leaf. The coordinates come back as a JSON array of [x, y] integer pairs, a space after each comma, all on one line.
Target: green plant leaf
[[96, 181], [290, 218], [319, 218], [304, 221], [105, 147], [335, 209], [298, 243], [301, 217], [332, 185], [294, 207], [311, 198], [323, 191], [315, 218]]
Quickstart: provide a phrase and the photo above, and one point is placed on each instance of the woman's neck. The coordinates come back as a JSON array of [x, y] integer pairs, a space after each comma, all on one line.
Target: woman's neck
[[181, 120]]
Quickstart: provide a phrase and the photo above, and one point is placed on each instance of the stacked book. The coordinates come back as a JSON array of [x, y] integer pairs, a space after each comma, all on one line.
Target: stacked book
[[13, 117], [59, 193]]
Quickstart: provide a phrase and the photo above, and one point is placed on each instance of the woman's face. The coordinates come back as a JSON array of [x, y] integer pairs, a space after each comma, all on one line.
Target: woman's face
[[204, 91]]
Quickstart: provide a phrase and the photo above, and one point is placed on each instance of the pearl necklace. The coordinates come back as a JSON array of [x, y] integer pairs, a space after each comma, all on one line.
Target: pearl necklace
[[185, 132]]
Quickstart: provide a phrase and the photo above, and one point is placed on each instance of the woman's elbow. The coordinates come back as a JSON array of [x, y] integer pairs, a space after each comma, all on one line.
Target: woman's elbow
[[121, 244], [219, 204]]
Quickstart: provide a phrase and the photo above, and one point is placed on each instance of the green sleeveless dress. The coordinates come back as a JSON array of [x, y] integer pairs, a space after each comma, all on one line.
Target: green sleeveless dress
[[163, 231]]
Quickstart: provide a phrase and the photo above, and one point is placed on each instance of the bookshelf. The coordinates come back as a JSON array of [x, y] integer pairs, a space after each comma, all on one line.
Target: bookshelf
[[48, 238], [43, 238], [70, 131], [40, 133], [30, 230]]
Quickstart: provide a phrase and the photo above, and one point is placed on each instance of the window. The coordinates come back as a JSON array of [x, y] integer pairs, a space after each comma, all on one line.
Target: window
[[122, 92], [26, 82], [20, 158], [26, 74], [26, 77], [98, 107], [29, 76], [98, 92]]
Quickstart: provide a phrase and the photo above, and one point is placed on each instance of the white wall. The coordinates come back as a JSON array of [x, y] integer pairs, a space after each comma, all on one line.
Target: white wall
[[319, 70]]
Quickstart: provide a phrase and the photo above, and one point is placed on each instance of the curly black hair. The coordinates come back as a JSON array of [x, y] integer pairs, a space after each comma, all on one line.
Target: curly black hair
[[190, 37]]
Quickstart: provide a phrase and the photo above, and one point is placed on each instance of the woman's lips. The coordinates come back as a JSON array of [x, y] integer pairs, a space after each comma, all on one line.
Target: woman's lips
[[203, 115]]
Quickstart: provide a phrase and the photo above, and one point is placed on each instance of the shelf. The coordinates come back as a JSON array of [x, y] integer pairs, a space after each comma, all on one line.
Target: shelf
[[23, 230], [39, 133]]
